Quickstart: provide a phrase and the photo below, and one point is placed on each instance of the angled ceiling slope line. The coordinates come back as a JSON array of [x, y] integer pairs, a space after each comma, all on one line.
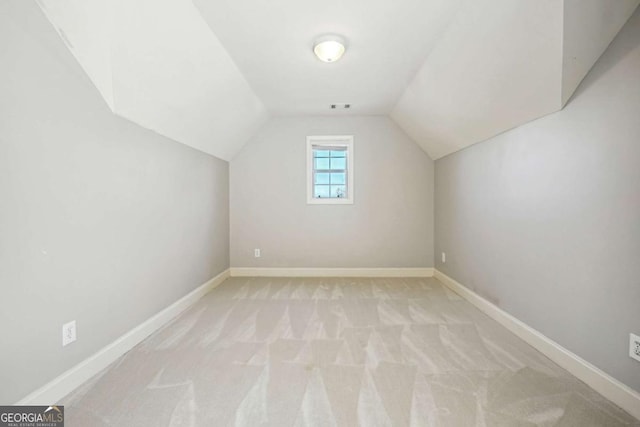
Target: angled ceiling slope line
[[496, 66], [589, 27], [88, 39], [503, 63], [174, 77]]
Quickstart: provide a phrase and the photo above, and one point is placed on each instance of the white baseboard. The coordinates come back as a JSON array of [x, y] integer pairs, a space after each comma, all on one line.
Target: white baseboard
[[619, 393], [53, 391], [331, 272]]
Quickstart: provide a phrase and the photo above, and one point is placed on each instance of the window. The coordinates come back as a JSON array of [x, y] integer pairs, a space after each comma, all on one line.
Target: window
[[330, 169]]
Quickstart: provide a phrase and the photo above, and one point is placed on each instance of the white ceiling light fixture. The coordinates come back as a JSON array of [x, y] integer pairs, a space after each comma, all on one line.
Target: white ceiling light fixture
[[329, 48]]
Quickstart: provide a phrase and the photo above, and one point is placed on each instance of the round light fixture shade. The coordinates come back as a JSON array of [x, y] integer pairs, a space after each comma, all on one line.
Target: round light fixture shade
[[329, 48]]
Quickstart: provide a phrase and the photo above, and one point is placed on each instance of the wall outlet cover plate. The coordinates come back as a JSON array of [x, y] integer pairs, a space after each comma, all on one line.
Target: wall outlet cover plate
[[634, 347], [68, 333]]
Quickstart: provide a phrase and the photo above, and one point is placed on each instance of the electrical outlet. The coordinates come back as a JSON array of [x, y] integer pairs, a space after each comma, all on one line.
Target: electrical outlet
[[634, 347], [444, 257], [256, 253], [68, 333]]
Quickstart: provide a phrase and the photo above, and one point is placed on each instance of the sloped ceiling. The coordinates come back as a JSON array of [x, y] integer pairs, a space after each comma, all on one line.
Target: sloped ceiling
[[157, 63], [589, 27], [503, 63], [208, 73]]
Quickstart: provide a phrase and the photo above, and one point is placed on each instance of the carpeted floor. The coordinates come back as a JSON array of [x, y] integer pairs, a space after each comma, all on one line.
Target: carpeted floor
[[336, 352]]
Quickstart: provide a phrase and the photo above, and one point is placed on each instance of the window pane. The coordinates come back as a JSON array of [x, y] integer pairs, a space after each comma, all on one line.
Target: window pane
[[329, 175], [321, 191], [340, 163], [322, 178], [339, 191], [321, 163], [337, 178]]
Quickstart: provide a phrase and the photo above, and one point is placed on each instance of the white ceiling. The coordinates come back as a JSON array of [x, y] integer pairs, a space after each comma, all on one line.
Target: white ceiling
[[272, 43], [477, 82], [157, 64], [589, 27], [208, 73], [503, 63]]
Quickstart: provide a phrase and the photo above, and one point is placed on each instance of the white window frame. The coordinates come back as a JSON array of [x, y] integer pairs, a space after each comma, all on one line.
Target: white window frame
[[330, 141]]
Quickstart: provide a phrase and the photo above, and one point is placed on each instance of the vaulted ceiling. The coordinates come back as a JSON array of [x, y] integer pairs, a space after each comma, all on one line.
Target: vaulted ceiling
[[209, 73]]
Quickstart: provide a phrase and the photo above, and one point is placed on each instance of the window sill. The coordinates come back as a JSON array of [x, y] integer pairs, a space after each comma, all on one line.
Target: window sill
[[329, 201]]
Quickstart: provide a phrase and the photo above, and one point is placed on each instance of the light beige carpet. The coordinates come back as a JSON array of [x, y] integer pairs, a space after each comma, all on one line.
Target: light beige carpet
[[336, 352]]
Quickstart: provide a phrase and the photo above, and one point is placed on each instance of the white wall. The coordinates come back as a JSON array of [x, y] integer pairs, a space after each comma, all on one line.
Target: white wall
[[544, 220], [101, 221], [390, 223]]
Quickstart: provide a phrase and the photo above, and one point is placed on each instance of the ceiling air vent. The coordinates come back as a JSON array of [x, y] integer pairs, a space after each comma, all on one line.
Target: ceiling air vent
[[340, 106]]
